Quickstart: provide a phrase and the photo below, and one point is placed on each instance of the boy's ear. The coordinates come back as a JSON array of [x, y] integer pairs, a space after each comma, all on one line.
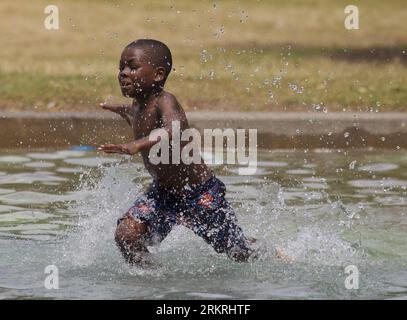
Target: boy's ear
[[159, 74]]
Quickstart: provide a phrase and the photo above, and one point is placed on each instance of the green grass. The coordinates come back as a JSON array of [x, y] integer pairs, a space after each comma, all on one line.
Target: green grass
[[272, 55]]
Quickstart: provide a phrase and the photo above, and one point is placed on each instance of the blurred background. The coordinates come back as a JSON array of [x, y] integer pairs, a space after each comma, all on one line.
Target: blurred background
[[230, 55]]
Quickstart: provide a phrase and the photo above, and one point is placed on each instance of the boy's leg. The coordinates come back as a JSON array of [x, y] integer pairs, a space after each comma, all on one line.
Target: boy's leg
[[215, 221], [129, 238], [229, 236], [144, 224]]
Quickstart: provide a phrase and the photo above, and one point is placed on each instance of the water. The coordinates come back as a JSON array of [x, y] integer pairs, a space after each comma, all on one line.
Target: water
[[327, 209]]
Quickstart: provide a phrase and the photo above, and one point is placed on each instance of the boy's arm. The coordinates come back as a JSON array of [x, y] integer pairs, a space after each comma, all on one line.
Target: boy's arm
[[128, 148], [170, 111], [126, 111]]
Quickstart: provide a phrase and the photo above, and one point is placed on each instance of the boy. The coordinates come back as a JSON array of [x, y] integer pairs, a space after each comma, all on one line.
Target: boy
[[189, 195]]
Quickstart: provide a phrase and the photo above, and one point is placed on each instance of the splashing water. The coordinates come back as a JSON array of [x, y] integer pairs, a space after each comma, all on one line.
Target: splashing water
[[290, 204], [182, 252], [107, 199]]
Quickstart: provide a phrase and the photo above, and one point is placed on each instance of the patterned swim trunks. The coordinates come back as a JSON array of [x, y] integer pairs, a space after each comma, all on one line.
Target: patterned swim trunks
[[202, 209]]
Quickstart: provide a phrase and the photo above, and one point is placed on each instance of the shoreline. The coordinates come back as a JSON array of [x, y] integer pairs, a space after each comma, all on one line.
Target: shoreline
[[281, 130]]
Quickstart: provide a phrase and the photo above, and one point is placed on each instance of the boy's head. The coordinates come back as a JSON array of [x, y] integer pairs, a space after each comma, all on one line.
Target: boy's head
[[144, 65]]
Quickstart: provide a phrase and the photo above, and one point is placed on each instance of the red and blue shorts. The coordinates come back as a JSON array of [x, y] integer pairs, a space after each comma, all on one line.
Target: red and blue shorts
[[202, 209]]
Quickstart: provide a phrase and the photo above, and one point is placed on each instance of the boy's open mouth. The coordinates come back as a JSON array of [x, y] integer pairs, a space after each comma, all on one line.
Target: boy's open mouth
[[126, 85]]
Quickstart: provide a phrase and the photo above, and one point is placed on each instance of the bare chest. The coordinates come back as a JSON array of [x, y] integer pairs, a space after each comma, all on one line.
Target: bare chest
[[144, 123]]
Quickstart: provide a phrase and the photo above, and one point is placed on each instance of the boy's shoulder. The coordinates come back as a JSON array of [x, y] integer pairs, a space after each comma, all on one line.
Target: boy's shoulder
[[167, 102], [169, 109]]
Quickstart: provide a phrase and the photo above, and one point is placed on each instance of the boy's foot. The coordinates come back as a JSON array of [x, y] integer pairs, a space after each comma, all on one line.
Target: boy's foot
[[278, 253], [283, 257], [251, 240]]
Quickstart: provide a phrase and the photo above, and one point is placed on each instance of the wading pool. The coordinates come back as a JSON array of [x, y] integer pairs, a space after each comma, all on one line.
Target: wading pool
[[327, 209]]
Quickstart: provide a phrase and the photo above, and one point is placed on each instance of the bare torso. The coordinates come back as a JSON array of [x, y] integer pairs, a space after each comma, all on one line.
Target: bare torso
[[171, 176]]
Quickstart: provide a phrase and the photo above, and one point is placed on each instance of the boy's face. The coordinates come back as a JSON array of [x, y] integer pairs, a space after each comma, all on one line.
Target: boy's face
[[137, 75]]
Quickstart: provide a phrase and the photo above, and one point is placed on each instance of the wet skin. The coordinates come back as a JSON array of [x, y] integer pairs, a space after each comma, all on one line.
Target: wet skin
[[152, 108]]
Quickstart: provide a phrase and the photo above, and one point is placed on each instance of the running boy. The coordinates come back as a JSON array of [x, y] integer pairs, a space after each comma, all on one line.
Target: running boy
[[184, 194]]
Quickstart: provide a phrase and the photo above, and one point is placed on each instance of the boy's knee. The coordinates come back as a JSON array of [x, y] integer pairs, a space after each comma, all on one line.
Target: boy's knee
[[130, 233]]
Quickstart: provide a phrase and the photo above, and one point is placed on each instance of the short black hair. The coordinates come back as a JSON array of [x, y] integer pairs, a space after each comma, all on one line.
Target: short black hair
[[157, 52]]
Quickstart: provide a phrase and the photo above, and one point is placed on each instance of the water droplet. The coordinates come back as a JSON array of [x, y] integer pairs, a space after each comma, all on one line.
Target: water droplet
[[352, 165], [316, 106], [296, 88]]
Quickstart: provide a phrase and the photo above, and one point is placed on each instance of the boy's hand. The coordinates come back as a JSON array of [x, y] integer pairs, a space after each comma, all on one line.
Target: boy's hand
[[126, 148], [121, 109]]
